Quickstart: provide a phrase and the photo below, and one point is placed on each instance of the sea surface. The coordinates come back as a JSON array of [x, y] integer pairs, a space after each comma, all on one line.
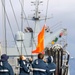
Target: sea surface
[[72, 66]]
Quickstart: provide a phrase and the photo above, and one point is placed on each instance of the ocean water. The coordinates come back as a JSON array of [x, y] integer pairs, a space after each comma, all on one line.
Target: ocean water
[[72, 66]]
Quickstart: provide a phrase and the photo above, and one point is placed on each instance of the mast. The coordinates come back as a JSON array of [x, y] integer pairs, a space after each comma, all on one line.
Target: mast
[[4, 27], [36, 17], [22, 20], [22, 8]]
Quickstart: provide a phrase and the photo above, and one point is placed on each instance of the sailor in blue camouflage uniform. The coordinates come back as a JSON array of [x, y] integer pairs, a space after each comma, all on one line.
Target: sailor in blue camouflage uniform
[[39, 66], [5, 67], [51, 65], [24, 66]]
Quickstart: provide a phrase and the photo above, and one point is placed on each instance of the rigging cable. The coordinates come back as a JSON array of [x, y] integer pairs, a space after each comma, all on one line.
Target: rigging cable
[[16, 22], [26, 19], [56, 26], [46, 16], [14, 14], [24, 13], [46, 10], [10, 25]]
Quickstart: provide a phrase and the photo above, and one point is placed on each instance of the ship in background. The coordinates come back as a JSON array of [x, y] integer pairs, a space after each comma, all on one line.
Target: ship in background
[[28, 40]]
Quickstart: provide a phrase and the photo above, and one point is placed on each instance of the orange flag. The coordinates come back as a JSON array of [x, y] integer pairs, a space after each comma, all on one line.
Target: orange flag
[[40, 46]]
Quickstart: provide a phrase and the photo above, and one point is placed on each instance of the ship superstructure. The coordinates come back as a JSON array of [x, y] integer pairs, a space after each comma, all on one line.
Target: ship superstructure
[[26, 40]]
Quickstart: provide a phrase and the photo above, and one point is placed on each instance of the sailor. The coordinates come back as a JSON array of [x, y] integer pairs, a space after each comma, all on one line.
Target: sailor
[[24, 66], [39, 66], [5, 67], [51, 65]]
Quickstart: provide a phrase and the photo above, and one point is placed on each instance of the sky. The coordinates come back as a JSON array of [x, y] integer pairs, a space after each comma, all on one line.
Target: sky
[[62, 10]]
